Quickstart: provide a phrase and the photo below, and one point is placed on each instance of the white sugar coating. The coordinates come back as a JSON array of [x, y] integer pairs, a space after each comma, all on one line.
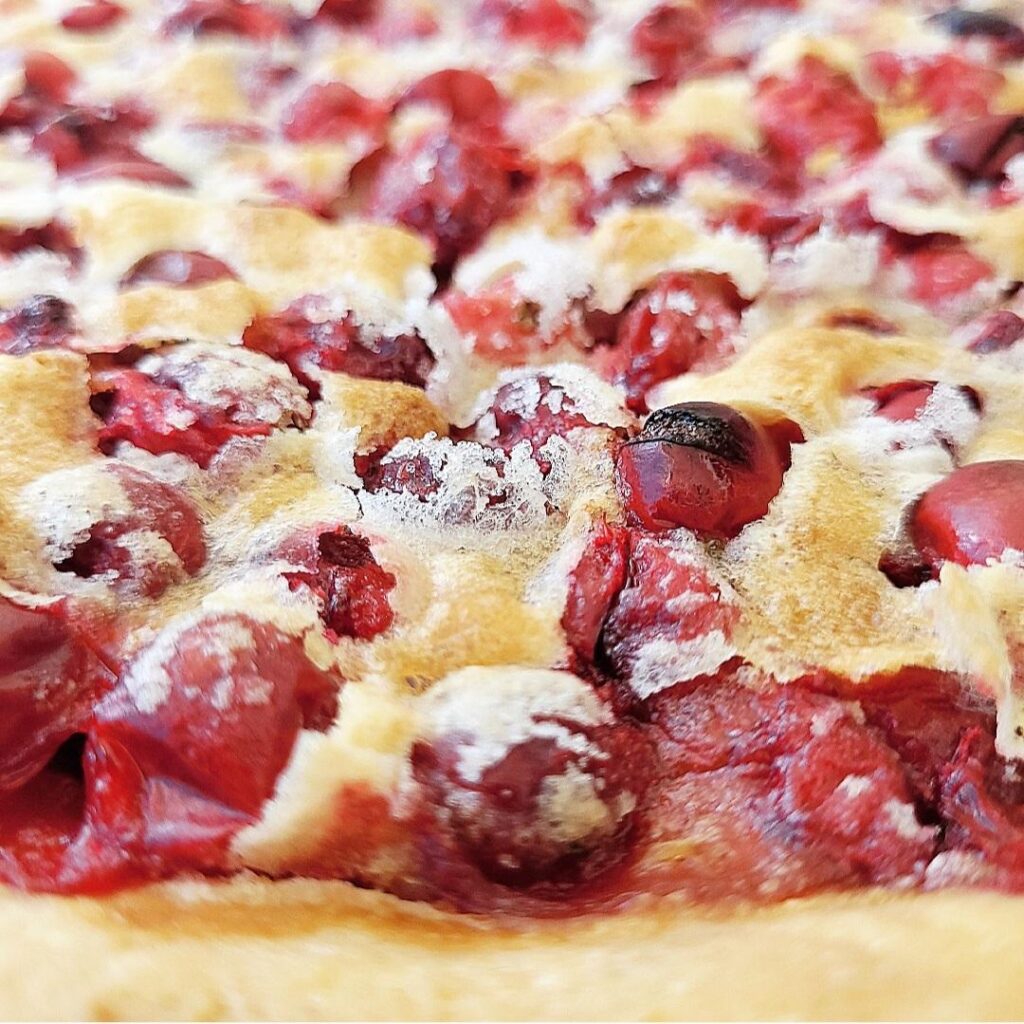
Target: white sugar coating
[[827, 261], [951, 414], [483, 494], [661, 663], [903, 818], [148, 680], [67, 504], [571, 808], [854, 785], [547, 271], [590, 396], [498, 708], [216, 376]]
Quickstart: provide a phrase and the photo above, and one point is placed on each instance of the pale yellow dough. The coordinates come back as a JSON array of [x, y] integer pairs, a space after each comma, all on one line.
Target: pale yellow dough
[[305, 950]]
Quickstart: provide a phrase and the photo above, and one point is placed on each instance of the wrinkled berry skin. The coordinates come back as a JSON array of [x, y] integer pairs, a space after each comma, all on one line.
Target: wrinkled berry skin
[[703, 466], [974, 514]]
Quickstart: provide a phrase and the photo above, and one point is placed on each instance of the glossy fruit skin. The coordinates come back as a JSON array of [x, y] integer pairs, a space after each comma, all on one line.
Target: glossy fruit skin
[[699, 465], [177, 268], [49, 682], [659, 337], [973, 515], [671, 39], [466, 97], [334, 112]]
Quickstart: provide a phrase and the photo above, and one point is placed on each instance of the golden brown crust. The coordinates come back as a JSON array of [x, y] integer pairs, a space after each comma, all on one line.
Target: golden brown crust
[[313, 950]]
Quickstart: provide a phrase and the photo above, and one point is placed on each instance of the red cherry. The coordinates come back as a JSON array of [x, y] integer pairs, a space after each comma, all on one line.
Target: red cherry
[[699, 465], [190, 745], [448, 186], [466, 97], [93, 16], [41, 322], [131, 166], [683, 320], [637, 186], [194, 398], [904, 400], [504, 808], [815, 108], [178, 269], [308, 342], [349, 12], [548, 24], [53, 236], [942, 270], [48, 77], [980, 149], [236, 17], [594, 583], [947, 83], [997, 332], [49, 682], [974, 514], [350, 586], [121, 543], [334, 112], [671, 38]]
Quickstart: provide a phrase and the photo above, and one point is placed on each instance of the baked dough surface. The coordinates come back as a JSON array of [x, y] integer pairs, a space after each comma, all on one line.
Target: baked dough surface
[[304, 950]]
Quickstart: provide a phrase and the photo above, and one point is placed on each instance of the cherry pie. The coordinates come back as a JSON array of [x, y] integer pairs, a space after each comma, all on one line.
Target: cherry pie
[[511, 508]]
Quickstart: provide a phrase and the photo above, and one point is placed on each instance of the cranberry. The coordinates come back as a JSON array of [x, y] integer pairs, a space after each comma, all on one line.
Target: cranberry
[[466, 97], [349, 585], [905, 400], [699, 465], [236, 17], [980, 149], [177, 269], [41, 322], [671, 39], [594, 583], [998, 332], [683, 320], [189, 746], [49, 681], [529, 774], [547, 24], [972, 515], [93, 16], [126, 525], [333, 112], [309, 341], [449, 186], [814, 109], [193, 398], [48, 77]]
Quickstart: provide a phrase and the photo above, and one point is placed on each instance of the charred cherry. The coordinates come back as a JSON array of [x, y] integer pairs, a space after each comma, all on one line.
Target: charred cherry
[[974, 514], [702, 466]]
